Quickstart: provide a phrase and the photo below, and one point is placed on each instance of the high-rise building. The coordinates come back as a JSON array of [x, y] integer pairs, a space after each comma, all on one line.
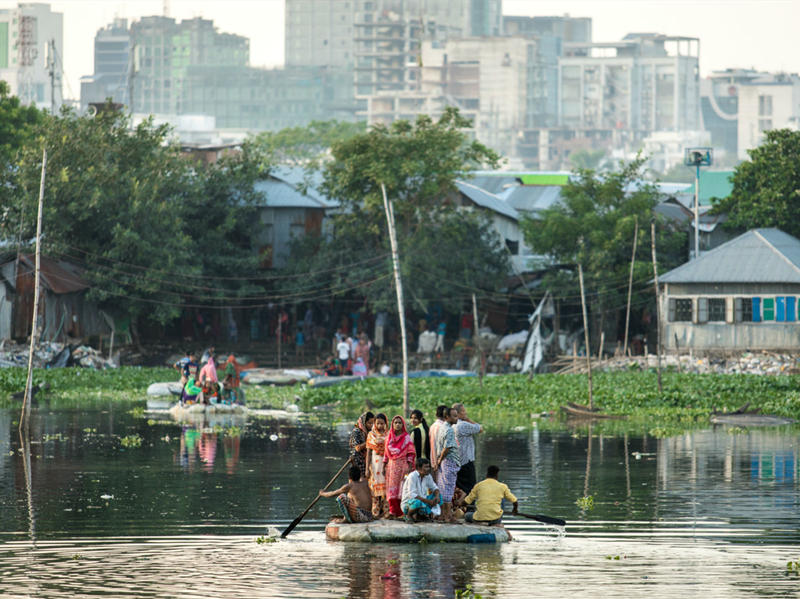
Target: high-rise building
[[320, 33], [769, 102], [31, 36], [164, 50], [112, 66], [646, 82]]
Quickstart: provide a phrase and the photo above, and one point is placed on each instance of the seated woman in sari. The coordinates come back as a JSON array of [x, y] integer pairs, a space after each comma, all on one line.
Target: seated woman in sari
[[399, 460], [192, 393]]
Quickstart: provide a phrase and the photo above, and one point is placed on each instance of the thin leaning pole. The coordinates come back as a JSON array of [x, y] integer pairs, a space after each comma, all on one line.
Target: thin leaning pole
[[399, 286], [658, 304], [586, 334], [630, 289], [24, 419]]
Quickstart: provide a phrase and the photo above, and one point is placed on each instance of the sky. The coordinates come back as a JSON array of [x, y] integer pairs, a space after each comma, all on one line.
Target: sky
[[761, 34]]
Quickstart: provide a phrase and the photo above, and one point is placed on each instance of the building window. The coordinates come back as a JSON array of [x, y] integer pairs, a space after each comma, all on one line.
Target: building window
[[744, 309], [768, 313], [764, 125], [764, 105], [785, 309], [681, 310], [513, 247], [716, 309]]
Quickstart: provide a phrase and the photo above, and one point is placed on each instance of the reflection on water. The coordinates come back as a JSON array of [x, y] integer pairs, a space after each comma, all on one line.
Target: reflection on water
[[704, 513]]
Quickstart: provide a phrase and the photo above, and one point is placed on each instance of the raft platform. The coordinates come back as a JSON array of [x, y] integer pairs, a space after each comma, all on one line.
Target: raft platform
[[399, 531]]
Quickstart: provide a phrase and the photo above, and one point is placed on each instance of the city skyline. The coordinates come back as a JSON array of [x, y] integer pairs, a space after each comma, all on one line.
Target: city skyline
[[772, 45]]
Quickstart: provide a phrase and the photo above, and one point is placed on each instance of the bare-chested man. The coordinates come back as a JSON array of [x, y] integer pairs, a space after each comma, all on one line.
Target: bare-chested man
[[354, 498]]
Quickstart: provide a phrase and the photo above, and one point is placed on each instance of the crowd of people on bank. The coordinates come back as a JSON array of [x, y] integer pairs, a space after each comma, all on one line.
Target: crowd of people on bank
[[201, 382], [427, 472]]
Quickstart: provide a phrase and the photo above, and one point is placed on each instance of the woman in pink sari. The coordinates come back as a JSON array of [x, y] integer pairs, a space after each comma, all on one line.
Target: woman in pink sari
[[399, 459]]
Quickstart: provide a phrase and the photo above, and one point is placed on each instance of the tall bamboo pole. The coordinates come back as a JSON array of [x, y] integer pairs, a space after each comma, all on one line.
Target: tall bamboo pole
[[24, 419], [586, 334], [399, 286], [477, 339], [630, 287], [658, 304]]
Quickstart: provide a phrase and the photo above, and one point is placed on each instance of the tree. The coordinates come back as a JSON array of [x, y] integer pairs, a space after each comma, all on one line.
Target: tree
[[587, 159], [16, 124], [301, 145], [445, 251], [766, 189], [593, 225], [147, 223]]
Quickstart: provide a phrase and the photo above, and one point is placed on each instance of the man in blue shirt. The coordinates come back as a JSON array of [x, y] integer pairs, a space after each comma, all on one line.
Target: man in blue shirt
[[465, 430], [187, 366]]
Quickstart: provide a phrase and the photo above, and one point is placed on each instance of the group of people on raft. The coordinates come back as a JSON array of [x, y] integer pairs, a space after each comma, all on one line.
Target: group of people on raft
[[419, 474], [201, 384]]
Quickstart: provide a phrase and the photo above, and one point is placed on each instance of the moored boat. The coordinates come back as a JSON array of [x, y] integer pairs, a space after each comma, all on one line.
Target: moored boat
[[399, 531]]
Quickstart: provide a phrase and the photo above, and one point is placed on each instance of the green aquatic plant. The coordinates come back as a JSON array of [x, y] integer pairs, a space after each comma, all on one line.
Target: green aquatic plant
[[233, 432], [793, 567], [736, 430], [468, 593], [137, 412], [131, 441], [262, 540], [585, 503]]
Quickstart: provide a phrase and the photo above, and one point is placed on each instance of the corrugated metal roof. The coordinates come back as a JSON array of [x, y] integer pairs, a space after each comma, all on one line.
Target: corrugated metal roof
[[493, 183], [486, 200], [758, 256], [282, 189], [534, 197], [60, 277]]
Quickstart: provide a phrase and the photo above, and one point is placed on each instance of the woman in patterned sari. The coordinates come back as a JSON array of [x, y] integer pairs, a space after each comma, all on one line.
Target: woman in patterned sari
[[358, 441], [376, 441], [399, 459]]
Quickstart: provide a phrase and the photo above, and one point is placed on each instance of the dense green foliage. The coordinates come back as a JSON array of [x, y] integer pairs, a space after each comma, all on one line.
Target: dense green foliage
[[438, 241], [594, 226], [686, 397], [766, 188], [17, 123], [147, 223], [303, 145], [587, 159]]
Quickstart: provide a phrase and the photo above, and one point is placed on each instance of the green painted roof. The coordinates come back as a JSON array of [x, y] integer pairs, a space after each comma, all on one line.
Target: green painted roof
[[713, 184], [545, 179]]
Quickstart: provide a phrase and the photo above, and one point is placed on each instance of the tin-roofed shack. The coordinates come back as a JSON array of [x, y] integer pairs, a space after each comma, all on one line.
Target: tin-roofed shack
[[66, 310], [743, 295]]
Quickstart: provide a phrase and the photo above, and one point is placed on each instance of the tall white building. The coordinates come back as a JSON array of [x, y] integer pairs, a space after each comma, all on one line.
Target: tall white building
[[646, 82], [769, 102], [26, 34], [320, 33]]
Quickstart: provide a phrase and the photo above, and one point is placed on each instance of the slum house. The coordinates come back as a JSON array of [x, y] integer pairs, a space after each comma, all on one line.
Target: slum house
[[66, 310], [288, 212], [742, 295]]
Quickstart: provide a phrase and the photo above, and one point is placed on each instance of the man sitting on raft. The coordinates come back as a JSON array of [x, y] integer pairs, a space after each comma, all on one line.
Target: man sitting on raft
[[354, 498], [420, 493], [488, 496]]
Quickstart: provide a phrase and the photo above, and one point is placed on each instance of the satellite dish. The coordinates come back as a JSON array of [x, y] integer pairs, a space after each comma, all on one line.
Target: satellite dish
[[91, 111]]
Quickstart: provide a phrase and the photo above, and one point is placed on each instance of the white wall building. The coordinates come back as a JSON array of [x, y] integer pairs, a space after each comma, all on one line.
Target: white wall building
[[771, 102], [25, 35], [666, 148], [646, 82]]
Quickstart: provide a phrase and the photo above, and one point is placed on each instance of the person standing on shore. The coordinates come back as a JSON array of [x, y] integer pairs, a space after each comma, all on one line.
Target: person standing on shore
[[466, 429]]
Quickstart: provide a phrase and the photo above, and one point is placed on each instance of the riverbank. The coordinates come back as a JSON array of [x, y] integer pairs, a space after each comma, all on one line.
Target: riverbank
[[686, 398]]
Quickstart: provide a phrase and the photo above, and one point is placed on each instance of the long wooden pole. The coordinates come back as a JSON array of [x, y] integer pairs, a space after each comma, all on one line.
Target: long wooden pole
[[399, 286], [658, 304], [630, 287], [24, 419], [586, 334], [477, 339]]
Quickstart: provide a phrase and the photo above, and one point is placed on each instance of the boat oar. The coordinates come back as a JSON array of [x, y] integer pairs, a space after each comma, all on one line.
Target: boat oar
[[540, 518], [297, 520]]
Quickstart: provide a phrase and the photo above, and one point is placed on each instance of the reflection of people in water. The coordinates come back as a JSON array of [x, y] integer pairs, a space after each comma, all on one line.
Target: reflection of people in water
[[230, 446], [195, 443], [208, 450]]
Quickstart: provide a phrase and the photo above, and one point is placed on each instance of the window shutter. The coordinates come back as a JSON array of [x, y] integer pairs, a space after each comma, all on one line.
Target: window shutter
[[756, 309], [702, 309], [672, 309], [780, 309], [738, 308], [729, 309], [791, 314]]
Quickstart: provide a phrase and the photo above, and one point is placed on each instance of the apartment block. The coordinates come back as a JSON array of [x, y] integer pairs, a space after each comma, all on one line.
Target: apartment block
[[769, 102]]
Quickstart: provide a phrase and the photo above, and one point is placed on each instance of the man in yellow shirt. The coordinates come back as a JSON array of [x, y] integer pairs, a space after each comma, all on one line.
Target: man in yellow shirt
[[488, 496]]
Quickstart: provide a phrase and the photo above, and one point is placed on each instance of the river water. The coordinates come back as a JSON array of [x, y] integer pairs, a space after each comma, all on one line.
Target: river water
[[712, 513]]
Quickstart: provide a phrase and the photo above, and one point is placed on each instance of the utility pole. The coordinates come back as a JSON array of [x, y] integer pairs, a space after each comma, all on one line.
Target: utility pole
[[52, 72], [658, 303], [131, 77], [477, 338], [24, 419], [630, 289], [586, 336], [399, 286]]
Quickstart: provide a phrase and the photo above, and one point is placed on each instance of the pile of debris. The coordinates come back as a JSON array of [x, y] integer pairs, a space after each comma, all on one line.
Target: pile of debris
[[54, 355], [763, 363]]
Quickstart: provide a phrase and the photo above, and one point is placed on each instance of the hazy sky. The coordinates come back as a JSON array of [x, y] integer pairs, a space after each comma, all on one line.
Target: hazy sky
[[762, 34]]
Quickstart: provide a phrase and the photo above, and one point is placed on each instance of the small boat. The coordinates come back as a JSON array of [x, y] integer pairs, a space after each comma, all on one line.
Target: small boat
[[745, 417], [161, 396], [578, 411], [399, 531], [180, 412], [329, 381]]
